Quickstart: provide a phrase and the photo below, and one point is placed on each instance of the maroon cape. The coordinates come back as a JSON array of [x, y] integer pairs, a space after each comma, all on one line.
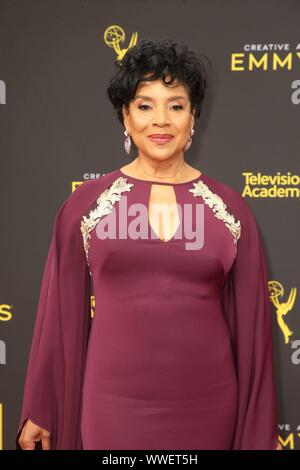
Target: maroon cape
[[55, 371]]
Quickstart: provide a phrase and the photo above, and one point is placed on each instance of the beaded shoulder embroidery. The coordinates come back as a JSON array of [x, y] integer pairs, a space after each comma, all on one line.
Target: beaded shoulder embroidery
[[215, 202], [105, 203]]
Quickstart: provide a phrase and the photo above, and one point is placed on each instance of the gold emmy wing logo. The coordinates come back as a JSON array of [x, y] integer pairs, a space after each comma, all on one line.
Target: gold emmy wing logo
[[114, 36], [276, 291]]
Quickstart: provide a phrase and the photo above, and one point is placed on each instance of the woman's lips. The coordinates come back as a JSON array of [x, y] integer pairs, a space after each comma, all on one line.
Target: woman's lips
[[160, 139]]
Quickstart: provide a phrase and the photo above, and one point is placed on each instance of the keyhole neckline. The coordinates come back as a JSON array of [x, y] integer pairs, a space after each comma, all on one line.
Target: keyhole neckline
[[161, 182]]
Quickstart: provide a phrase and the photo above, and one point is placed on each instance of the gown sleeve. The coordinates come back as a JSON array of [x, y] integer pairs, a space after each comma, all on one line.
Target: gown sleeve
[[54, 379], [247, 310]]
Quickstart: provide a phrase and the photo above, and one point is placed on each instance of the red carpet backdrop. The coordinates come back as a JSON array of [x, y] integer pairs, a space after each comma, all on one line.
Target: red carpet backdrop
[[58, 129]]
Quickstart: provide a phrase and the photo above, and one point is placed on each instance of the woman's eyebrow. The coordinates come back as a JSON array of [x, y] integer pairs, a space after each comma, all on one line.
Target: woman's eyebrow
[[144, 97]]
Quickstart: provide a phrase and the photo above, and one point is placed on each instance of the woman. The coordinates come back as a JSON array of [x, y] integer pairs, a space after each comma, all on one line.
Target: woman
[[179, 352]]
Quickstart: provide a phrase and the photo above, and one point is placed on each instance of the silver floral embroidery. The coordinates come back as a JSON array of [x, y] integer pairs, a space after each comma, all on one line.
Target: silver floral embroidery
[[105, 202], [219, 208]]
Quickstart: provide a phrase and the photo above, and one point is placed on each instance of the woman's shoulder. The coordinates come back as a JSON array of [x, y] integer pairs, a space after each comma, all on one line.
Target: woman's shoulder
[[93, 186], [230, 196], [84, 197]]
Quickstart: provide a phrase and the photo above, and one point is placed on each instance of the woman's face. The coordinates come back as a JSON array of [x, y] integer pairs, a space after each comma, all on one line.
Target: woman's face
[[159, 109]]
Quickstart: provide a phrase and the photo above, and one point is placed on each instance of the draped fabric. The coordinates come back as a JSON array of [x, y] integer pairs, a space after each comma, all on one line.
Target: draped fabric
[[56, 364], [247, 310]]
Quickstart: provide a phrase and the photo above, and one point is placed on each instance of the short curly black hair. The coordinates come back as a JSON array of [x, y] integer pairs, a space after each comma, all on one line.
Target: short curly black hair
[[161, 59]]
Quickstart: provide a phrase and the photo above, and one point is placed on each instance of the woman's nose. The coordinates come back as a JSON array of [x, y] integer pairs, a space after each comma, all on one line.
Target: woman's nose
[[161, 116]]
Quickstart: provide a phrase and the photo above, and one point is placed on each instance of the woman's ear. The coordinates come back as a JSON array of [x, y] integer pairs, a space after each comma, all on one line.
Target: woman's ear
[[125, 114], [193, 111]]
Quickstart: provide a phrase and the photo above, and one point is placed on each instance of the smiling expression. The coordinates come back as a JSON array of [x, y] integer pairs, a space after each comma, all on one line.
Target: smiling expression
[[157, 109]]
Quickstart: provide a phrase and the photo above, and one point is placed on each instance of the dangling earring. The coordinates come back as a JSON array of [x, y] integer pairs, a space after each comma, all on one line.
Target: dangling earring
[[127, 143], [189, 142]]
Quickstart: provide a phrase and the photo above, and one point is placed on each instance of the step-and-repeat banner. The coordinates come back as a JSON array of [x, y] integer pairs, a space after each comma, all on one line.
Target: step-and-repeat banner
[[58, 129]]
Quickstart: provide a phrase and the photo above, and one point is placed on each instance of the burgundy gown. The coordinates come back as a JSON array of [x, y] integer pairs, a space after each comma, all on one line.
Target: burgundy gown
[[178, 353]]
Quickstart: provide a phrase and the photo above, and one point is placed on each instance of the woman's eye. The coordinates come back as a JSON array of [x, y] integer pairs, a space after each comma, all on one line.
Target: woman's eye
[[177, 106], [141, 106]]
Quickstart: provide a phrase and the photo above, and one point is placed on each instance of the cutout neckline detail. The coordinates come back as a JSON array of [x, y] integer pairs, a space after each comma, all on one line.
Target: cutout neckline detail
[[159, 220]]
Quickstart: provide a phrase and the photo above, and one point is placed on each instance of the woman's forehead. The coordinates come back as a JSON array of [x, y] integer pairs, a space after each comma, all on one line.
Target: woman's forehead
[[157, 86]]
